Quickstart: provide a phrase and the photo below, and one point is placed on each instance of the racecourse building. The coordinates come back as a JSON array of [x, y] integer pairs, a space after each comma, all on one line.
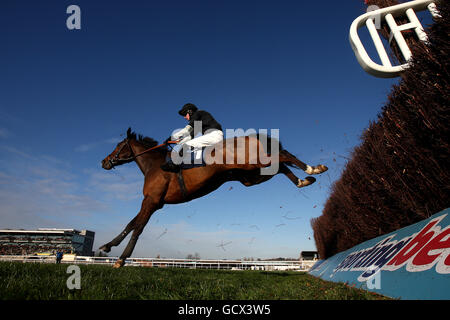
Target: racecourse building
[[48, 240], [309, 256]]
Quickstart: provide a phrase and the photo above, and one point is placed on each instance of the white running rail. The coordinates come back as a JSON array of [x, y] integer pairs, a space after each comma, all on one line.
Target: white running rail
[[386, 69], [271, 265]]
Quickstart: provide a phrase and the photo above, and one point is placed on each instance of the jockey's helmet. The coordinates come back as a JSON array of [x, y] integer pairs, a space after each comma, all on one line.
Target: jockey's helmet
[[188, 108]]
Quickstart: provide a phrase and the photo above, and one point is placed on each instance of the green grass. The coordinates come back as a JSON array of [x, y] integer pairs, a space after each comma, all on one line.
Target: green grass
[[36, 281]]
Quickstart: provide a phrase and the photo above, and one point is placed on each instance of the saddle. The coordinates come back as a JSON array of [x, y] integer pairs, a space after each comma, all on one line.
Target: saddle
[[193, 159], [190, 160]]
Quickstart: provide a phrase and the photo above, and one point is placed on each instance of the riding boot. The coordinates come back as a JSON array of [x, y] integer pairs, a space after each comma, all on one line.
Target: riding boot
[[170, 166]]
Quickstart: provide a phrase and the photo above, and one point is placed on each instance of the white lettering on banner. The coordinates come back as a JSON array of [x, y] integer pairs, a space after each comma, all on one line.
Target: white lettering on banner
[[418, 252]]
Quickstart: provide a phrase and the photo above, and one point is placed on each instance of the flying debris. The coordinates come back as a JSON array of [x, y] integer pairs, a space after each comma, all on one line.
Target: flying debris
[[165, 231], [193, 214], [290, 218], [277, 226], [222, 245]]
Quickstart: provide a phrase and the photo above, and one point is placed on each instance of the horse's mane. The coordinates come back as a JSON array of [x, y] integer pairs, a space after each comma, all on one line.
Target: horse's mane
[[147, 141]]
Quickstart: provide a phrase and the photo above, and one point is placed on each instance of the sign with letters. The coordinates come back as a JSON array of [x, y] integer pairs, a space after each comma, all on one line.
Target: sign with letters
[[410, 263]]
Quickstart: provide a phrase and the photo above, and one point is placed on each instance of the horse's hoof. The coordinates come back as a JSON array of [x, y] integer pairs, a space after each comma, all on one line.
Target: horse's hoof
[[105, 248], [321, 168], [119, 263], [316, 170], [303, 183]]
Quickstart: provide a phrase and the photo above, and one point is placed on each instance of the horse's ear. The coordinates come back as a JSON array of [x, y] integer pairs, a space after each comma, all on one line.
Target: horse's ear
[[129, 132]]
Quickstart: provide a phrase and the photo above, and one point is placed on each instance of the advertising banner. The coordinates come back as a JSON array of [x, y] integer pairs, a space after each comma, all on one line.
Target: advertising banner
[[410, 263]]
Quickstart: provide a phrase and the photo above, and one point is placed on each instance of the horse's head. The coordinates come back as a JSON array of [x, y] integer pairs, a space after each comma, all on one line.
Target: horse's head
[[123, 153]]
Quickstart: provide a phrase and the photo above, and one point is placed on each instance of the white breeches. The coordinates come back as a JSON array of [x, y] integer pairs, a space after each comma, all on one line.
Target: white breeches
[[206, 140]]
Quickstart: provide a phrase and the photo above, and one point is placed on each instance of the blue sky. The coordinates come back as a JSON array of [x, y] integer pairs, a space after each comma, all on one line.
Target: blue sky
[[67, 96]]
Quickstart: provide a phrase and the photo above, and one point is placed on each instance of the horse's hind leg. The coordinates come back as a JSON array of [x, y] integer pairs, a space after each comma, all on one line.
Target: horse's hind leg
[[297, 181], [286, 156]]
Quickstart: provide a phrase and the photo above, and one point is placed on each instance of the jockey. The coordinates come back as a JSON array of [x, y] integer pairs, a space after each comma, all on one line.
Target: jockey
[[211, 131]]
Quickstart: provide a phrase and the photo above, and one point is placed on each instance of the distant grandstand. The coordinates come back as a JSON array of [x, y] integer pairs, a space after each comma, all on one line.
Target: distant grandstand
[[46, 241], [309, 256]]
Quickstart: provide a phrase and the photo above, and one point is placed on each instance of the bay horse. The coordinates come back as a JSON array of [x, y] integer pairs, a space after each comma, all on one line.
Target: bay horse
[[161, 187]]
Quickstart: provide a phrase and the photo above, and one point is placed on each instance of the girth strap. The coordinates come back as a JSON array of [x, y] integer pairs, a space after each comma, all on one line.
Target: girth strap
[[181, 182]]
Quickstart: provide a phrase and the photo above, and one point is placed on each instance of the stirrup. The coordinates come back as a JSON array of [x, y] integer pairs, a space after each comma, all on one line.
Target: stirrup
[[170, 167]]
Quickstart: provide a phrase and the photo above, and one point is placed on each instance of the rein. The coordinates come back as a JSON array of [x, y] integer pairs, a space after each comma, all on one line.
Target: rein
[[116, 160], [155, 147]]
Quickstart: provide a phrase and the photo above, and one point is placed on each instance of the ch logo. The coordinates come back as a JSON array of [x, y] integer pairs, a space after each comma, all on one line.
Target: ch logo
[[373, 20], [73, 22], [74, 281]]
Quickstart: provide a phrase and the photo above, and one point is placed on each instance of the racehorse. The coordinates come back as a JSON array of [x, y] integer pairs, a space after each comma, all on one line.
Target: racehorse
[[161, 187]]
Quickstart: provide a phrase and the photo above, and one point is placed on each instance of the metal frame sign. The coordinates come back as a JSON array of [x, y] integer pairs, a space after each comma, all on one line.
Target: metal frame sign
[[410, 263], [372, 20]]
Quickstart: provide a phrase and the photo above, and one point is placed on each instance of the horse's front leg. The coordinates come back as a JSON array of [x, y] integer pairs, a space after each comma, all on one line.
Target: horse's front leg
[[149, 205], [117, 240]]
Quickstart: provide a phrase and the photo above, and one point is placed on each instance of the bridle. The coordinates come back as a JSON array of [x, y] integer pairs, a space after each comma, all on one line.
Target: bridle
[[118, 161]]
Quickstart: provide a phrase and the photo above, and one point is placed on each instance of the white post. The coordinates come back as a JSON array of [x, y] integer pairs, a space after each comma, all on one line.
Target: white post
[[378, 43], [396, 31], [419, 29]]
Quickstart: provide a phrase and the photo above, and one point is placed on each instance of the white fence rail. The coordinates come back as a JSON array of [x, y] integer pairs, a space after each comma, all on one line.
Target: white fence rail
[[172, 263]]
